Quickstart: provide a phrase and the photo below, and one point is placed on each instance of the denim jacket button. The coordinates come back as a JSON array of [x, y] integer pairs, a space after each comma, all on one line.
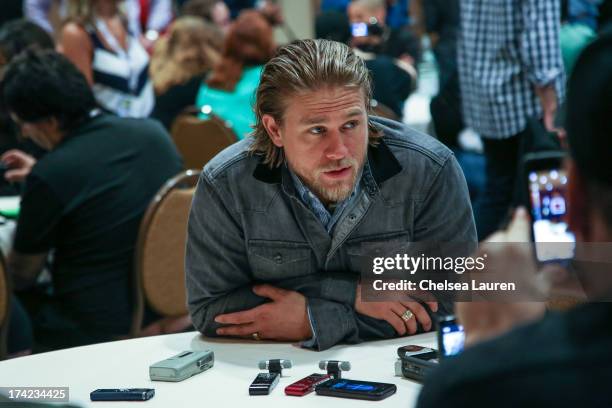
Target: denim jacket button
[[352, 217], [278, 258]]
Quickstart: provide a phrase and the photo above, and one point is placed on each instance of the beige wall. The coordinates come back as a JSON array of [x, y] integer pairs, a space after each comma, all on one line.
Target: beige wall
[[299, 16]]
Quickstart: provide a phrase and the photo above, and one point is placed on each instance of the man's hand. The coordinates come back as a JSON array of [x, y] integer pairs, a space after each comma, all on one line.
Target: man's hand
[[484, 320], [392, 313], [285, 318], [19, 165], [548, 101]]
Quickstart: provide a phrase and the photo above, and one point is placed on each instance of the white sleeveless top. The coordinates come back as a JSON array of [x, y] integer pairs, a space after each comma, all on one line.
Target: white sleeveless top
[[121, 81]]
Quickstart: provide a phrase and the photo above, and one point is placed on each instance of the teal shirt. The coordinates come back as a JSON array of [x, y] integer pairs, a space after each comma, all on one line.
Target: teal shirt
[[234, 107]]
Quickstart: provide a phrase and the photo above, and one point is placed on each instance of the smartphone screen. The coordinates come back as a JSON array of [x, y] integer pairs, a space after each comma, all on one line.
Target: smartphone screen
[[356, 389], [547, 197], [451, 337], [359, 29]]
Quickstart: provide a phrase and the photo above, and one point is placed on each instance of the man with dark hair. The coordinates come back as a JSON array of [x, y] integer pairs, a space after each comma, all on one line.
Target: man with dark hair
[[278, 219], [83, 200], [563, 359], [15, 37]]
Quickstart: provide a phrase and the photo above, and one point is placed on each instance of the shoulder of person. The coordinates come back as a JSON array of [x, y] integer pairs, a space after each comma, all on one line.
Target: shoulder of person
[[73, 32], [501, 360], [235, 160]]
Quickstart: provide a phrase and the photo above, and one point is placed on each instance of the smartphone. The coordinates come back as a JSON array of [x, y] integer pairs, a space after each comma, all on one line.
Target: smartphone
[[122, 394], [359, 29], [547, 191], [451, 337], [264, 383], [306, 385], [365, 390]]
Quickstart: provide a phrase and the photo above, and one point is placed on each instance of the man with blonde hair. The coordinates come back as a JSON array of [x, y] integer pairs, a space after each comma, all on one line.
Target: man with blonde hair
[[277, 221]]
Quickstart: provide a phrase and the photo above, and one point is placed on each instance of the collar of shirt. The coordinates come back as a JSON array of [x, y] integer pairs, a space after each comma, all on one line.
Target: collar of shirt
[[316, 206]]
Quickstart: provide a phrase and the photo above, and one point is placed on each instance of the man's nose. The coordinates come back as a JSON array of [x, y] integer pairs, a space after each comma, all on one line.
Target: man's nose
[[336, 148]]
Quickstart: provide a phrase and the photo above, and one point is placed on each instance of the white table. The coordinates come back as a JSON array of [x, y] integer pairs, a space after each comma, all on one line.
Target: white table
[[124, 364]]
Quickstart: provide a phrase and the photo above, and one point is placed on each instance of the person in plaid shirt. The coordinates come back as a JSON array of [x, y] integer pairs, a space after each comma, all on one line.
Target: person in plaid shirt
[[510, 70]]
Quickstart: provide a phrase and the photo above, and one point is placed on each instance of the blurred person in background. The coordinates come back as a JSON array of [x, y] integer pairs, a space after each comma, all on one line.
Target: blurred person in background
[[510, 71], [212, 11], [392, 80], [397, 43], [560, 359], [180, 63], [145, 19], [15, 37], [83, 201], [97, 40], [229, 90], [11, 10]]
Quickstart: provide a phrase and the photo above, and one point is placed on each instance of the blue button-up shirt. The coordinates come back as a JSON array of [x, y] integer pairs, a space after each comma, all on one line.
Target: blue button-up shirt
[[311, 201]]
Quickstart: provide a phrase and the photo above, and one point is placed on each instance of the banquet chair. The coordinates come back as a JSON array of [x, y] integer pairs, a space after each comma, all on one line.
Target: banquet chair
[[159, 272], [199, 140]]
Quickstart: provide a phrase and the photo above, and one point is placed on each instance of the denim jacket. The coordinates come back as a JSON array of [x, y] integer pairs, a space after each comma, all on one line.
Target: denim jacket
[[247, 226]]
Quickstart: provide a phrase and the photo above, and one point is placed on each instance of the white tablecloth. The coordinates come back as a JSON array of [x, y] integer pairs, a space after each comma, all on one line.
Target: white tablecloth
[[124, 364]]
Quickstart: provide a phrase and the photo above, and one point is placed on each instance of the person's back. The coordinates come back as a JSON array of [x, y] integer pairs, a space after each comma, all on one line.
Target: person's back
[[229, 91], [91, 193], [391, 83], [234, 107], [563, 360]]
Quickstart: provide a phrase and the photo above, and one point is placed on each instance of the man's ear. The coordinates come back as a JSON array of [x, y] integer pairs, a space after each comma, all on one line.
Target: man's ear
[[578, 208], [273, 129]]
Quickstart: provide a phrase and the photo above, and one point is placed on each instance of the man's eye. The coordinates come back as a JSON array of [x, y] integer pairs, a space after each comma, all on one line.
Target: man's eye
[[350, 125], [317, 130]]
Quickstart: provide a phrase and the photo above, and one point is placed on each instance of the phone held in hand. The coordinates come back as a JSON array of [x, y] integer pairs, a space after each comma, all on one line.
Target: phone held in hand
[[122, 394], [365, 390], [546, 185]]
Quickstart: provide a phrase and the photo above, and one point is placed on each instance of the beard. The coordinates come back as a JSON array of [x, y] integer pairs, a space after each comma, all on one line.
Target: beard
[[335, 191]]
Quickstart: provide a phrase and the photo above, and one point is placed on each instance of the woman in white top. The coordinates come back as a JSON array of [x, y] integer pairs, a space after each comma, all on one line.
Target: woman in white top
[[97, 41]]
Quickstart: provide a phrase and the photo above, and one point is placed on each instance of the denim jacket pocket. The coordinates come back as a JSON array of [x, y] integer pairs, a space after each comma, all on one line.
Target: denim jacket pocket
[[277, 260], [357, 254]]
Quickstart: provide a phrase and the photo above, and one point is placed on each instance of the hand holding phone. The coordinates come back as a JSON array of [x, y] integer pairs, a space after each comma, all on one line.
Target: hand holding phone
[[547, 191]]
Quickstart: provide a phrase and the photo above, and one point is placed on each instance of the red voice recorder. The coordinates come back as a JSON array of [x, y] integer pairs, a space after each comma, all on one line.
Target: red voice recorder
[[306, 385]]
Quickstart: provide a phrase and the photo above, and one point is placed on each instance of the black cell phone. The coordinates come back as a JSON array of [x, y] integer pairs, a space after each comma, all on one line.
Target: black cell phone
[[264, 383], [547, 191], [366, 390], [451, 336], [122, 394]]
